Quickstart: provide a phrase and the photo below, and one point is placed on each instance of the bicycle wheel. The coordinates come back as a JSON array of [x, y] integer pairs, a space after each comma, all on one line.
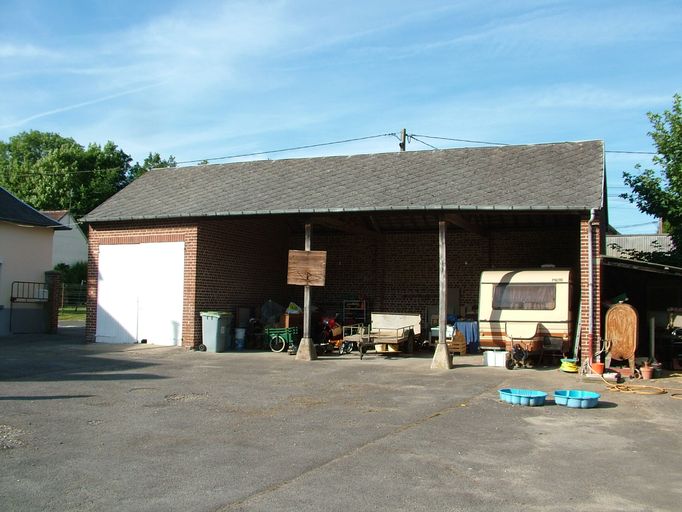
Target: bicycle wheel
[[277, 343]]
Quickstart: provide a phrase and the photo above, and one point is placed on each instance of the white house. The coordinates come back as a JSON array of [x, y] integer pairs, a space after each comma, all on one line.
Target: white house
[[25, 255], [69, 246]]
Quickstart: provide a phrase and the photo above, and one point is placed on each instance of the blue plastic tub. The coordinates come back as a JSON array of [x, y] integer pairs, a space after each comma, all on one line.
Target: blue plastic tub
[[530, 397], [575, 398]]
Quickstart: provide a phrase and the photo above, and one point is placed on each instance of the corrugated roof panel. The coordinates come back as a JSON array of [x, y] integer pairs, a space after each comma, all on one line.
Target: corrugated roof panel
[[642, 243]]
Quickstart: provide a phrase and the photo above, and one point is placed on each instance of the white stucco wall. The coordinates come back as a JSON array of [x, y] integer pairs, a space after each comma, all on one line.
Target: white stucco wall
[[25, 255], [69, 246]]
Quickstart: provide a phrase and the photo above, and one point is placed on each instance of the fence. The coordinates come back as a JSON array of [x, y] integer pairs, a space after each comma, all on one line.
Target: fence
[[73, 296], [27, 313]]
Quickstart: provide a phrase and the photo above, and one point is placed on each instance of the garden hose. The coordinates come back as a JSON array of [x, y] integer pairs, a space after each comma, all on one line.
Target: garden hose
[[568, 366], [676, 396], [641, 389]]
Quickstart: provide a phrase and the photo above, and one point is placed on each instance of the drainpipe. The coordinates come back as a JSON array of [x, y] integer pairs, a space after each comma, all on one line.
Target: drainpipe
[[590, 283]]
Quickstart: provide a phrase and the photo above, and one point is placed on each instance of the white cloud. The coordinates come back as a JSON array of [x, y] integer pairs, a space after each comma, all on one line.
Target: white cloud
[[82, 104], [24, 51], [188, 56], [586, 96], [534, 27]]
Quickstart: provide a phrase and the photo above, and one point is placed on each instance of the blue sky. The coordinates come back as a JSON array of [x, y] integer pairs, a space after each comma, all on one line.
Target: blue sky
[[204, 79]]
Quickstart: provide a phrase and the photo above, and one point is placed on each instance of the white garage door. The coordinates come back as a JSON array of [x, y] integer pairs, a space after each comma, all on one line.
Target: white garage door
[[140, 293]]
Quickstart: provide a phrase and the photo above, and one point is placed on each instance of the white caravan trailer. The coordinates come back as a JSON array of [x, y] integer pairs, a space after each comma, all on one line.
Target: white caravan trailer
[[526, 310]]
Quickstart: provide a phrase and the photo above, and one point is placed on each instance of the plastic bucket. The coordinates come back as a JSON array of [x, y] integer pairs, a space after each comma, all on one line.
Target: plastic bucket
[[598, 368], [240, 337]]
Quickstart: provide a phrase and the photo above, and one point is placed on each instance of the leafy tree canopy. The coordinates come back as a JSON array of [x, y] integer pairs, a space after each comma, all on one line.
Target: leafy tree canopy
[[51, 172], [152, 161], [658, 191]]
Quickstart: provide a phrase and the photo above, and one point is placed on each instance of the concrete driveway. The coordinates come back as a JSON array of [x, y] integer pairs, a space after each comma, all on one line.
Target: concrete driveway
[[135, 428]]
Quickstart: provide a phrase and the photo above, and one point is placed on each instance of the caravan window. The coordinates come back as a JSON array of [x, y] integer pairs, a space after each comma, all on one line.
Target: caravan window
[[525, 296]]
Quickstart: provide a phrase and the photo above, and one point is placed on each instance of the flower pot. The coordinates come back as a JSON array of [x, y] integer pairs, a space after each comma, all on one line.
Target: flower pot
[[647, 372], [598, 368]]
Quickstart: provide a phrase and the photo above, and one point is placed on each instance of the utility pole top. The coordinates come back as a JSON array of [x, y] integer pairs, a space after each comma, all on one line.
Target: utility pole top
[[403, 139]]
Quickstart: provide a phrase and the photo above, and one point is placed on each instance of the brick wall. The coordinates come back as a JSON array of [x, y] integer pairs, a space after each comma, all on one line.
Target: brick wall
[[228, 263], [399, 272], [144, 232], [241, 262], [598, 248]]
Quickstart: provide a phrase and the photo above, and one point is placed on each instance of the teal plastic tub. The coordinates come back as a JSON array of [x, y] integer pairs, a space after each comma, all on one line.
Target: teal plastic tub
[[529, 397], [576, 399]]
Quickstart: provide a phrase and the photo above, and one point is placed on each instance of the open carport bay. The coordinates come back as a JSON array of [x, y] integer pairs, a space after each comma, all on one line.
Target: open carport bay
[[139, 427]]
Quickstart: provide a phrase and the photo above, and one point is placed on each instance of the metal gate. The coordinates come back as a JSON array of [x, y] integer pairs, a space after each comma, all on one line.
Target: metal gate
[[23, 316]]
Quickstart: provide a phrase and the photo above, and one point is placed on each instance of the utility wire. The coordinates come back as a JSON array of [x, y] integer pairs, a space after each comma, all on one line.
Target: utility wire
[[637, 225], [505, 144], [631, 152], [63, 173], [286, 149], [459, 140], [416, 137], [413, 137], [39, 173]]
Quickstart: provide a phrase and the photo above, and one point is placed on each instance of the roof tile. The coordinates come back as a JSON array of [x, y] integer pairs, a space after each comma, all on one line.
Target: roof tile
[[566, 175]]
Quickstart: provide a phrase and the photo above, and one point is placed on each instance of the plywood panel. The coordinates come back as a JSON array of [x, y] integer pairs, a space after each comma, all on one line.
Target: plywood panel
[[307, 268]]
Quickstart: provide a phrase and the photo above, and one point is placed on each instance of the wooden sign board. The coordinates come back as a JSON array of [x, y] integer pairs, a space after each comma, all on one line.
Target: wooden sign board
[[307, 268]]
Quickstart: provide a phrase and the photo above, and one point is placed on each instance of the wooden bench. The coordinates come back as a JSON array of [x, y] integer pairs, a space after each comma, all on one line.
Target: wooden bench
[[388, 333]]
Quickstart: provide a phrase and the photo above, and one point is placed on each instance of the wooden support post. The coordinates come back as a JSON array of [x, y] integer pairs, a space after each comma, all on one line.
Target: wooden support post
[[306, 349], [441, 357]]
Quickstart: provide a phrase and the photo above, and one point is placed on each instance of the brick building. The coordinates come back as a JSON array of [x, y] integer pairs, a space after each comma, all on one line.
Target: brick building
[[179, 241]]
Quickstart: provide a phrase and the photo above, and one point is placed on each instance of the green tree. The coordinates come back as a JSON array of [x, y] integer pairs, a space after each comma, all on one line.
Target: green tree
[[152, 161], [73, 274], [51, 172], [658, 191]]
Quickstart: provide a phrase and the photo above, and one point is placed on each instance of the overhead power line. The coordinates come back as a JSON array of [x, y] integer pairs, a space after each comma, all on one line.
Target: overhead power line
[[631, 152], [414, 136], [459, 140], [410, 137], [257, 153], [637, 225], [40, 173], [63, 173]]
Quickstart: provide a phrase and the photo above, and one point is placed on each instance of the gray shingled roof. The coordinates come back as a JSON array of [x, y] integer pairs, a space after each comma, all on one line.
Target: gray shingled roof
[[561, 176], [16, 211]]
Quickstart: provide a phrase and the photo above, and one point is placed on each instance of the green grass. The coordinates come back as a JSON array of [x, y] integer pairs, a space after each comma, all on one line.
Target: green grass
[[70, 313]]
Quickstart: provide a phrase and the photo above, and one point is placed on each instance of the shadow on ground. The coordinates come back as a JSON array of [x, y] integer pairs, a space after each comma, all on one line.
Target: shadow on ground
[[41, 357]]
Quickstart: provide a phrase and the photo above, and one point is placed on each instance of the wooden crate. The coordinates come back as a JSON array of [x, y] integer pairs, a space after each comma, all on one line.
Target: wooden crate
[[457, 344]]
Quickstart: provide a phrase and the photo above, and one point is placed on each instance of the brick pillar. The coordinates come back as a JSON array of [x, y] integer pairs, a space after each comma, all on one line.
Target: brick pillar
[[54, 299], [191, 321], [91, 298], [590, 345]]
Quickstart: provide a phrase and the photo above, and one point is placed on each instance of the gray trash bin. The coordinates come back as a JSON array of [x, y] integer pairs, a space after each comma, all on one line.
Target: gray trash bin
[[215, 330]]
